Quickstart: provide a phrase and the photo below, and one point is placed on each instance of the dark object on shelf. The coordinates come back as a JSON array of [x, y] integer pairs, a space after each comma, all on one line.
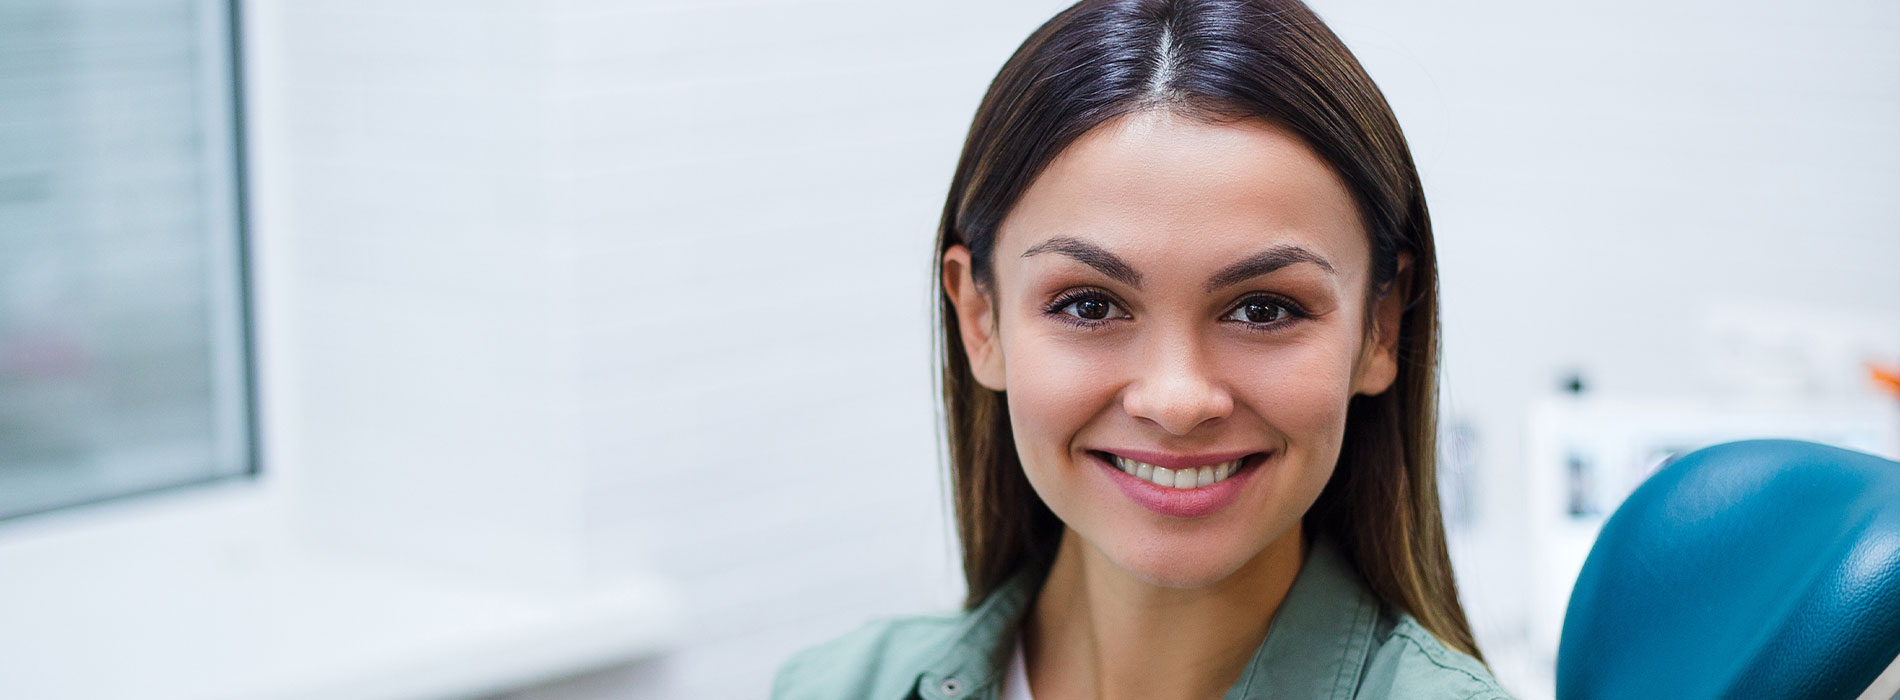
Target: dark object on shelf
[[1573, 384]]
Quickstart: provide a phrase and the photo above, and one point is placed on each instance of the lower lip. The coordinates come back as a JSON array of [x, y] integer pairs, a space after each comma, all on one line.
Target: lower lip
[[1182, 503]]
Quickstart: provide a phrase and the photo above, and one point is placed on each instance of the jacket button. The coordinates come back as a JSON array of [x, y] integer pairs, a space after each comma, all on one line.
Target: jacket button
[[951, 686]]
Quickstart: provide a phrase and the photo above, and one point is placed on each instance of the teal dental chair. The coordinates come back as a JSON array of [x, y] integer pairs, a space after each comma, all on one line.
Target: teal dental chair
[[1763, 570]]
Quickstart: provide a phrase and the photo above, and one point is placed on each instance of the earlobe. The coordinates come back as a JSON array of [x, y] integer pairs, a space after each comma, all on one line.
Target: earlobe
[[1381, 365], [976, 318]]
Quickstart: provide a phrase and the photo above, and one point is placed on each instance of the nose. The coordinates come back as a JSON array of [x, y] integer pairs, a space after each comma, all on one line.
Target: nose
[[1176, 389]]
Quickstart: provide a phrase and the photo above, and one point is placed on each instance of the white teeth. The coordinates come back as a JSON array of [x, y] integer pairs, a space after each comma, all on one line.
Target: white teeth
[[1177, 478]]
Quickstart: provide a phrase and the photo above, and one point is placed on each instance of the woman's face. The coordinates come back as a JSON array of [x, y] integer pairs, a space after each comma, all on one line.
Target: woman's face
[[1170, 297]]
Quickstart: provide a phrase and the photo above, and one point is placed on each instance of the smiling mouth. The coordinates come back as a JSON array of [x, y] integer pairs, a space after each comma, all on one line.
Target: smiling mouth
[[1181, 479]]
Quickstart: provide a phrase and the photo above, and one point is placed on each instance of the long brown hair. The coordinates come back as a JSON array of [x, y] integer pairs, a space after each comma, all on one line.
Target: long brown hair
[[1217, 60]]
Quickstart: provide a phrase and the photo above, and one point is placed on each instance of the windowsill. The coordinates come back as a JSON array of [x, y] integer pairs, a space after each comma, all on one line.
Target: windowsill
[[199, 595]]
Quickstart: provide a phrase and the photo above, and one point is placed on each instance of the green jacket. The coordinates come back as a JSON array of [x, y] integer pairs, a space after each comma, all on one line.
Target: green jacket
[[1331, 639]]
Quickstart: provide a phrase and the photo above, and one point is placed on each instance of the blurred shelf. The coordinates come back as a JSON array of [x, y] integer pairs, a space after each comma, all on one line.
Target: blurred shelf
[[213, 606]]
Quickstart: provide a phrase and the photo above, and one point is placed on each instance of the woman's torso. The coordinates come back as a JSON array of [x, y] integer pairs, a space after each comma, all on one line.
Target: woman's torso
[[1331, 639]]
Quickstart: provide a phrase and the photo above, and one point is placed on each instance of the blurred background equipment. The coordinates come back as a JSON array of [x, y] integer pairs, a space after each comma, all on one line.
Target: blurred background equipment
[[1756, 569]]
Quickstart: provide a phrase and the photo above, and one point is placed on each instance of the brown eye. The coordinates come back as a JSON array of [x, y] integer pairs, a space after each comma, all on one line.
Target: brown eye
[[1091, 309], [1087, 306], [1259, 311]]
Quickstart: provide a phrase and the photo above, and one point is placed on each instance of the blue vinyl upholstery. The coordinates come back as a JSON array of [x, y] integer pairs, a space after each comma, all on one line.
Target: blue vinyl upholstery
[[1761, 569]]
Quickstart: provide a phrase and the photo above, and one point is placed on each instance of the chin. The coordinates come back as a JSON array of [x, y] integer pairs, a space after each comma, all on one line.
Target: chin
[[1161, 563]]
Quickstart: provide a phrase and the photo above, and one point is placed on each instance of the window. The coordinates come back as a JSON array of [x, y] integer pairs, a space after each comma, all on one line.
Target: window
[[124, 361]]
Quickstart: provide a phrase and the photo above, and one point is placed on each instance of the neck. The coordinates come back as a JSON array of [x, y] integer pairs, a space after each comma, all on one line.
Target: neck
[[1097, 632]]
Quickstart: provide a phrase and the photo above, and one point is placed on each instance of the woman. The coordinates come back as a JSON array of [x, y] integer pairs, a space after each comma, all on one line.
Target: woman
[[1190, 316]]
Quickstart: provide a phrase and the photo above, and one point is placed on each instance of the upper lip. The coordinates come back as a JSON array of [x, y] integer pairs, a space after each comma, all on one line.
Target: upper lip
[[1181, 461]]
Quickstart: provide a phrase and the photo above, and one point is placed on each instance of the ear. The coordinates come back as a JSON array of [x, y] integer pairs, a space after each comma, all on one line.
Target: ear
[[1379, 364], [976, 320]]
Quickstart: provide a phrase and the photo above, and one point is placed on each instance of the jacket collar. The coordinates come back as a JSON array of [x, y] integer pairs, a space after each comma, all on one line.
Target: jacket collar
[[1316, 647]]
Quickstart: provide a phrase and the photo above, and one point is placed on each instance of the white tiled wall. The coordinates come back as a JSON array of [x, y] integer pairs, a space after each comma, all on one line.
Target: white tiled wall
[[588, 287], [593, 287], [753, 195]]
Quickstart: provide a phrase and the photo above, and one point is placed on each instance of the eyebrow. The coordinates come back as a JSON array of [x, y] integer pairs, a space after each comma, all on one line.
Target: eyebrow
[[1264, 262], [1109, 264], [1091, 255]]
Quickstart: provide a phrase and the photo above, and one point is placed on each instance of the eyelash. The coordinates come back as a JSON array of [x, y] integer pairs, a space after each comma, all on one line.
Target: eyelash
[[1057, 309]]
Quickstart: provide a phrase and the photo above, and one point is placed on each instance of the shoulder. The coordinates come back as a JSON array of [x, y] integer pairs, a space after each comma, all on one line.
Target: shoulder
[[1409, 662], [878, 661]]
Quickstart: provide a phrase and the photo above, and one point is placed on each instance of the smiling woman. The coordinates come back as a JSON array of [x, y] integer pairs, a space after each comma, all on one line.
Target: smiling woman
[[1189, 319], [1190, 328]]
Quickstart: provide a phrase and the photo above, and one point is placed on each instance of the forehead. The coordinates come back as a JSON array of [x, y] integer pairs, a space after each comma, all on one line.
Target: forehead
[[1157, 184]]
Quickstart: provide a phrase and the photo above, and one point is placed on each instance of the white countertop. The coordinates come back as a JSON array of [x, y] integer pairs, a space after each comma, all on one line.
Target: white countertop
[[209, 603]]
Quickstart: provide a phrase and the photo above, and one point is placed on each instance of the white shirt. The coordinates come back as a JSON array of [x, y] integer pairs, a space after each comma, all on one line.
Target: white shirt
[[1016, 679]]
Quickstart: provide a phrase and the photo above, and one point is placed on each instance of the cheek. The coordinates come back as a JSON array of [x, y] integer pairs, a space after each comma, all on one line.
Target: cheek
[[1300, 389], [1055, 388]]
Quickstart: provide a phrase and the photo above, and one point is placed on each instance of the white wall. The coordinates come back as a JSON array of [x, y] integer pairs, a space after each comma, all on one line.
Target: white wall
[[591, 288], [1604, 178], [753, 192], [582, 288]]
